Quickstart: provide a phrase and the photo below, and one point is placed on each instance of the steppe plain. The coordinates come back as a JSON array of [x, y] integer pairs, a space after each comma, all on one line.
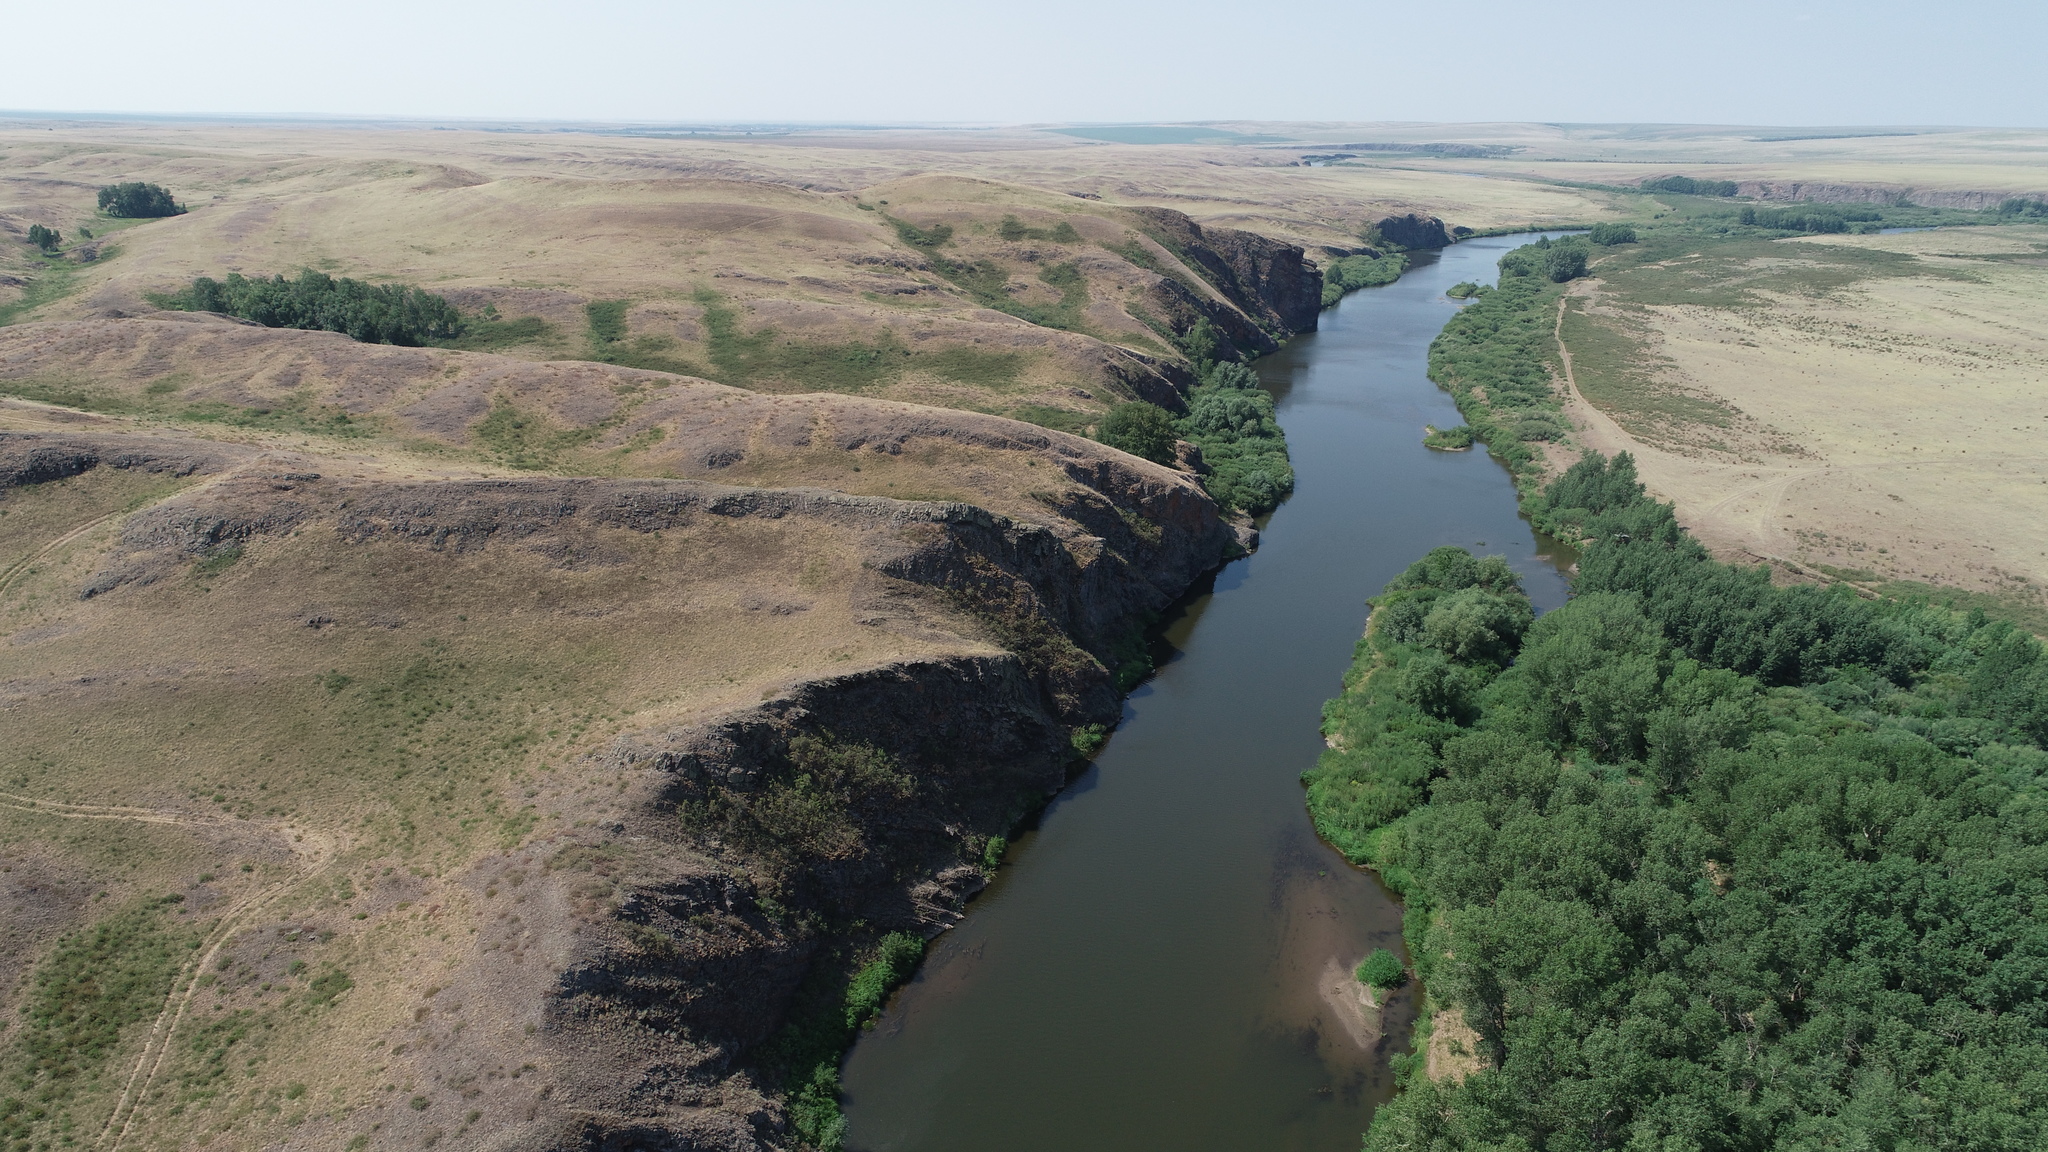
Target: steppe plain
[[344, 761]]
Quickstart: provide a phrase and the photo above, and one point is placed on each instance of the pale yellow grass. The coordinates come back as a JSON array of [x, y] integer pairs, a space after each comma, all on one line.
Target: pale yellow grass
[[1919, 403]]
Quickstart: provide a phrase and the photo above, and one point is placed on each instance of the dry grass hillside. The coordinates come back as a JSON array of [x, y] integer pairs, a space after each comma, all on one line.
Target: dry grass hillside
[[314, 737]]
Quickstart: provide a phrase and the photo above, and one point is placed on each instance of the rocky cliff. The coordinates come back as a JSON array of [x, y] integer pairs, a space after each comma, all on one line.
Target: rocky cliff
[[1264, 290], [1409, 232]]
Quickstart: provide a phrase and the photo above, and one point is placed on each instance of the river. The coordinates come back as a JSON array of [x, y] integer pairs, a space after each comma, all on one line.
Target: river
[[1154, 967]]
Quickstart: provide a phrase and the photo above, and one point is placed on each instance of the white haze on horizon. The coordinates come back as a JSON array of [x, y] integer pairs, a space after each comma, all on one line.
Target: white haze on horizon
[[1800, 63]]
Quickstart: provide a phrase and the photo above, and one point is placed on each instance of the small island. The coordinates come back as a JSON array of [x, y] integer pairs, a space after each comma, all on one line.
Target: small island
[[1447, 439]]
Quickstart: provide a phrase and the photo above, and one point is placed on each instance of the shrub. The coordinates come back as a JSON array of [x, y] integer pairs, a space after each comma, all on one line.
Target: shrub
[[1142, 429], [138, 201], [1610, 234], [1382, 970], [48, 239], [1466, 290], [1447, 439]]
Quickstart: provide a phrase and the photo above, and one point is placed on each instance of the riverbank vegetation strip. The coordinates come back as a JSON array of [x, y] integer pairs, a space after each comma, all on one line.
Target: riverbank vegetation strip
[[1704, 862], [1231, 419]]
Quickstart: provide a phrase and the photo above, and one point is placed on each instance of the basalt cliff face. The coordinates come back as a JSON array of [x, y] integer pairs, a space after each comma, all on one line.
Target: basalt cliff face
[[1259, 290], [1412, 231]]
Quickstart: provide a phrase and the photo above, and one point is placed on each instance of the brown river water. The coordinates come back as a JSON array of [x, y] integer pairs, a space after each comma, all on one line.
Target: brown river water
[[1163, 962]]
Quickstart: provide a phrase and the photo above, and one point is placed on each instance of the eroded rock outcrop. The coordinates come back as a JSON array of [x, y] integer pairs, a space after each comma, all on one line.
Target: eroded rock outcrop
[[1271, 290], [1411, 231]]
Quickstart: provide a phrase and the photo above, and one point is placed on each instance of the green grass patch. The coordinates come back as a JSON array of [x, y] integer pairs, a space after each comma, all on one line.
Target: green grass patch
[[493, 334], [54, 280], [611, 343], [294, 414], [1617, 372], [78, 1009], [1057, 419], [764, 357]]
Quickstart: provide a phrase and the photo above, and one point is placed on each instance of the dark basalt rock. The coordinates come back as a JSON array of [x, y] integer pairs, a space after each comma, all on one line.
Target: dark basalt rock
[[1411, 232]]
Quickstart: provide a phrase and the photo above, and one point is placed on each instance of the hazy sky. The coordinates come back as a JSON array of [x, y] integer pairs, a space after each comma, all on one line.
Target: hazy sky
[[1792, 62]]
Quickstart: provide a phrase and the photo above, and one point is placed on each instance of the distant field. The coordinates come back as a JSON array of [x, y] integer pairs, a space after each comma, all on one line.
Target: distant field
[[1868, 406]]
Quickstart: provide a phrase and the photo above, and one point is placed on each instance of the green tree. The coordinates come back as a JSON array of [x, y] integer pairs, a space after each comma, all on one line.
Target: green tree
[[1564, 262], [47, 239], [137, 200], [1141, 429], [1382, 970]]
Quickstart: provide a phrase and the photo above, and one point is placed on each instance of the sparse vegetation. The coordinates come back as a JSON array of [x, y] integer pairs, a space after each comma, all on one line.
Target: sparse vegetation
[[805, 1055], [80, 1004], [1011, 228]]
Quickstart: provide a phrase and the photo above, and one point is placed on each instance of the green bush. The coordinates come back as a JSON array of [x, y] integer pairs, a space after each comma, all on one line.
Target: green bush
[[895, 959], [1350, 273], [1447, 439], [1466, 290], [1230, 418], [372, 313], [1611, 234], [138, 201], [1382, 970], [1142, 429], [47, 239]]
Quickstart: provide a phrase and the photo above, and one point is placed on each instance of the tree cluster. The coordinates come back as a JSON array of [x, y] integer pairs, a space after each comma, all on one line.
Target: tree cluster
[[1704, 862], [1608, 235], [1808, 219], [1501, 346], [371, 313], [1350, 273], [47, 239], [1688, 186], [138, 201], [1230, 418]]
